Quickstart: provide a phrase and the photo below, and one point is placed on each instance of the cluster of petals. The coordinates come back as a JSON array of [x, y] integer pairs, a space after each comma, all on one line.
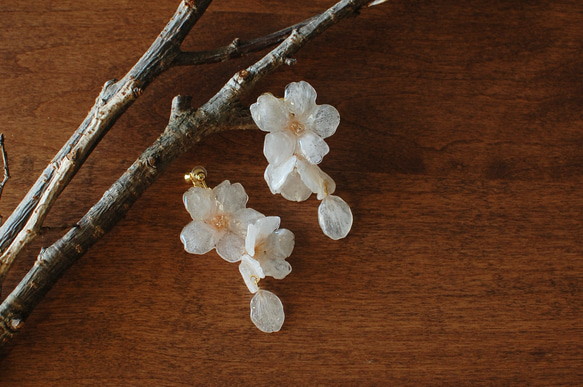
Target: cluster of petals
[[221, 220], [294, 146], [266, 248], [295, 143]]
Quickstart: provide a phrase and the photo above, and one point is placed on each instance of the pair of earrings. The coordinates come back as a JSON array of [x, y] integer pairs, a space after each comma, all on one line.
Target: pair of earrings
[[294, 146]]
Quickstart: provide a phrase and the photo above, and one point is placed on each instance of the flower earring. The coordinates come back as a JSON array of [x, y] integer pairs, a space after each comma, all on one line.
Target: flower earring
[[221, 221], [295, 146]]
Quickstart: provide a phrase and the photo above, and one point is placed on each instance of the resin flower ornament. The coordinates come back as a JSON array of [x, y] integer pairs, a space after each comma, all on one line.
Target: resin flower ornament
[[221, 220], [295, 146], [269, 245]]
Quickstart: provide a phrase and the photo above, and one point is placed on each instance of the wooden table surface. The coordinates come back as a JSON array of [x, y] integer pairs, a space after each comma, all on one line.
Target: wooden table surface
[[460, 151]]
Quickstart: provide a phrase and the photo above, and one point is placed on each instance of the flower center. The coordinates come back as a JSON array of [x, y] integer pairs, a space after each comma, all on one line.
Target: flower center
[[296, 127], [260, 250], [220, 221]]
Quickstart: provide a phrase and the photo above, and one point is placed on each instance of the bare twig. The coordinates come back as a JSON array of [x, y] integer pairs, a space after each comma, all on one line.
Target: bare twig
[[237, 48], [185, 128], [5, 163], [24, 223]]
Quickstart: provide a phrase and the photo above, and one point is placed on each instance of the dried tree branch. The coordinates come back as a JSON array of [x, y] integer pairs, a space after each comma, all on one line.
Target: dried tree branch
[[5, 163], [185, 128], [237, 48], [24, 223]]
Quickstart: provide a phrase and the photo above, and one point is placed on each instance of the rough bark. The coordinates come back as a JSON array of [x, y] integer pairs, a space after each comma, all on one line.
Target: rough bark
[[115, 98]]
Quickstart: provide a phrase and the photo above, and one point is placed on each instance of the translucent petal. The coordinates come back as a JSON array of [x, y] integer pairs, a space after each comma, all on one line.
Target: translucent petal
[[251, 272], [317, 180], [279, 146], [269, 113], [198, 237], [281, 243], [312, 146], [300, 98], [294, 188], [328, 184], [199, 202], [335, 217], [276, 268], [231, 197], [267, 225], [267, 311], [276, 175], [268, 176], [259, 231], [242, 219], [251, 239], [324, 120], [231, 247]]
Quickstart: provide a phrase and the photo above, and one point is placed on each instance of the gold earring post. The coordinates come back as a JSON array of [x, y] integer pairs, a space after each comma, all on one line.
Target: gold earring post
[[197, 176]]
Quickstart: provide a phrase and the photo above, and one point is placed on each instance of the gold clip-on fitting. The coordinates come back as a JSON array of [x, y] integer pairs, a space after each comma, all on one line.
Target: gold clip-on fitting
[[255, 280], [197, 176]]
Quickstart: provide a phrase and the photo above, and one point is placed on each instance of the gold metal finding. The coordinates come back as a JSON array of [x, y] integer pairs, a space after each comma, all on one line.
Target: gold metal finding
[[255, 280], [197, 176]]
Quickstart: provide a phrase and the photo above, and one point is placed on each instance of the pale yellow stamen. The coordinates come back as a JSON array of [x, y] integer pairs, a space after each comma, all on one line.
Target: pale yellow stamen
[[296, 127], [220, 221]]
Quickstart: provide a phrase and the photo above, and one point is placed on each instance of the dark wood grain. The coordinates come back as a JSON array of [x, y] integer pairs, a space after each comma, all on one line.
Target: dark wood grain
[[460, 151]]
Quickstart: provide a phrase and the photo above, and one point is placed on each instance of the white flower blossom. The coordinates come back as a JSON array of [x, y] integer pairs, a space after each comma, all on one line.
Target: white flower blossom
[[220, 220], [295, 146], [295, 143], [267, 246]]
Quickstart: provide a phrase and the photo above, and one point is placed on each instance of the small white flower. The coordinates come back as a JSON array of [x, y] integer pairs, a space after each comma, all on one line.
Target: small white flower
[[267, 246], [295, 143], [220, 220]]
